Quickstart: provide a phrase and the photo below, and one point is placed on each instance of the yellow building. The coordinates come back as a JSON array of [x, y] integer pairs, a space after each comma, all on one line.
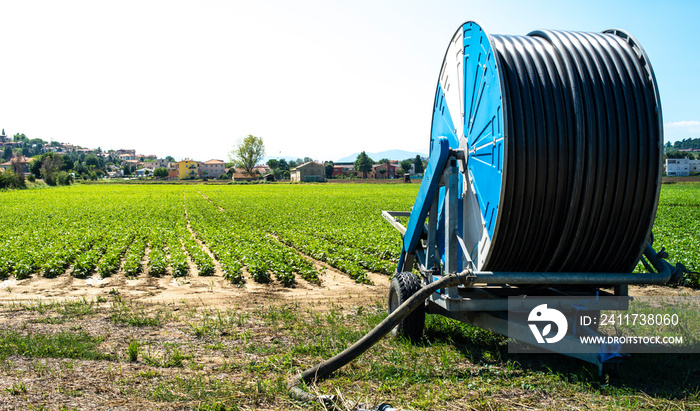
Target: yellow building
[[188, 169]]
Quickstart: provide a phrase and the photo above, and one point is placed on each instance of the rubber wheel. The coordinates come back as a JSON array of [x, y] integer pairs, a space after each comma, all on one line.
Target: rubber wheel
[[402, 287]]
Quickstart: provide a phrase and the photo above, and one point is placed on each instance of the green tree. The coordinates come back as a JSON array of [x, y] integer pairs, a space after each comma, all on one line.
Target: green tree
[[419, 164], [680, 154], [18, 169], [384, 161], [19, 137], [9, 179], [68, 162], [363, 164], [329, 168], [51, 164], [248, 152], [160, 172], [92, 160], [406, 165], [273, 163]]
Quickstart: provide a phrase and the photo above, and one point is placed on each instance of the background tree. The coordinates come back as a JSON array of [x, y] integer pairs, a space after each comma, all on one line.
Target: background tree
[[329, 168], [680, 154], [8, 179], [273, 163], [384, 161], [128, 169], [92, 160], [18, 169], [406, 165], [50, 166], [68, 163], [363, 164], [418, 163], [308, 159], [248, 152], [160, 172]]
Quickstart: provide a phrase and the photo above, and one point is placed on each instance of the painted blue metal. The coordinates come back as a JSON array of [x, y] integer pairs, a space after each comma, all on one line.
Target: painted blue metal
[[428, 188], [483, 121], [443, 126]]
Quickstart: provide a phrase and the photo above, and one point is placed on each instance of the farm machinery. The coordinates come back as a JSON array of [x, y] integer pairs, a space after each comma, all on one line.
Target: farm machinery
[[542, 183]]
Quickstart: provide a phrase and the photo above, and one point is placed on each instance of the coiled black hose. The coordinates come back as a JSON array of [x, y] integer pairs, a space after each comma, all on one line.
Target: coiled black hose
[[583, 144]]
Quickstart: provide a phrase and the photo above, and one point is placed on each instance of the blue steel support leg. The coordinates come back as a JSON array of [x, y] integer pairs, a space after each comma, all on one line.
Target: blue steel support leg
[[426, 194], [451, 220]]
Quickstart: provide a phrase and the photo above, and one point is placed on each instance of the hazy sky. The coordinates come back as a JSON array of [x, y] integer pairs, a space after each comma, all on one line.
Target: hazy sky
[[313, 78]]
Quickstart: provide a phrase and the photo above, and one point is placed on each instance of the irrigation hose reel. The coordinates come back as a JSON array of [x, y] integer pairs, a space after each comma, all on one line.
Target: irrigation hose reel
[[543, 179], [544, 176], [562, 139]]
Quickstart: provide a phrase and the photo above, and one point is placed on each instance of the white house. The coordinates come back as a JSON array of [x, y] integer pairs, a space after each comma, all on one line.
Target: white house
[[681, 167]]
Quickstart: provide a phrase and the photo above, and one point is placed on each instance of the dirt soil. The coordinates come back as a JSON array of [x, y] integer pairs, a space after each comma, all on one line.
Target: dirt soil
[[214, 292]]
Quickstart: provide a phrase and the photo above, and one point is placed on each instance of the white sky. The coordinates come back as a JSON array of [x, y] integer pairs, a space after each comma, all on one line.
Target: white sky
[[313, 78]]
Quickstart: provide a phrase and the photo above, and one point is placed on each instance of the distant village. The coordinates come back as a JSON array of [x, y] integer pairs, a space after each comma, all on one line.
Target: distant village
[[18, 153]]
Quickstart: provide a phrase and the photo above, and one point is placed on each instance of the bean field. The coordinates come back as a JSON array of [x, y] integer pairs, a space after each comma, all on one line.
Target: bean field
[[261, 233]]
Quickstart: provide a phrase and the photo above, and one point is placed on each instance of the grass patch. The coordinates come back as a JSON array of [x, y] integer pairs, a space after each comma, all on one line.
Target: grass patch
[[230, 359], [124, 313], [63, 344]]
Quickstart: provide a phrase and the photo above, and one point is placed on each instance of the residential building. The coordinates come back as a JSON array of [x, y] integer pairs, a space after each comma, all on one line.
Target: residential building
[[188, 169], [241, 175], [125, 157], [344, 169], [23, 162], [173, 171], [262, 169], [681, 167], [161, 162], [383, 170], [212, 168], [150, 165], [309, 172]]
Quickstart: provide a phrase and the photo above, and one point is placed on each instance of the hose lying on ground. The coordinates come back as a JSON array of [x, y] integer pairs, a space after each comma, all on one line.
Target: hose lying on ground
[[325, 368]]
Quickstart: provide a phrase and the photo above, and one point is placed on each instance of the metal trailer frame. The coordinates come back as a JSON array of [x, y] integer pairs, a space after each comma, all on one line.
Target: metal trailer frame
[[483, 302]]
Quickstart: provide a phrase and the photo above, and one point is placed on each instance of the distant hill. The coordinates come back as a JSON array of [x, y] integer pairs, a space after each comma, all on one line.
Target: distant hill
[[390, 154]]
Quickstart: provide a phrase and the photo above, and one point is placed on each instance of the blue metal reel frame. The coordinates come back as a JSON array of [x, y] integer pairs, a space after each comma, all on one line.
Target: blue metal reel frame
[[426, 194], [468, 111]]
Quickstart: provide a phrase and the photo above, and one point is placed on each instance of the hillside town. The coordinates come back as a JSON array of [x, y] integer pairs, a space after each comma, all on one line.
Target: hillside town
[[28, 156], [20, 153]]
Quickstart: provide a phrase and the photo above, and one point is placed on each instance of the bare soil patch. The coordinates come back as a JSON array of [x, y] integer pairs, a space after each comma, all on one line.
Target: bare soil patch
[[213, 291]]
